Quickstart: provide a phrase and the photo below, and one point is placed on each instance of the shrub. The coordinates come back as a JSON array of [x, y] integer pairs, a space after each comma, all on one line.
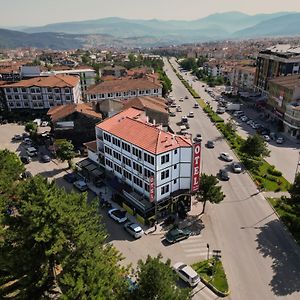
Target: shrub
[[274, 172]]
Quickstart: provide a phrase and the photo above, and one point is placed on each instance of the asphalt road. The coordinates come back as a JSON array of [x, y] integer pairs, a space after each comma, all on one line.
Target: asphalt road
[[261, 259], [285, 157]]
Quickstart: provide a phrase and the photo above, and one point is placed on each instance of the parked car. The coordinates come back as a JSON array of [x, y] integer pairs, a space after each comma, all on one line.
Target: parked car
[[279, 140], [175, 235], [134, 229], [191, 114], [181, 99], [196, 105], [244, 118], [118, 215], [27, 141], [81, 185], [186, 97], [225, 156], [223, 174], [17, 137], [31, 151], [220, 110], [172, 114], [173, 104], [236, 167], [187, 125], [184, 120], [267, 138], [25, 159], [45, 158], [198, 138], [44, 124], [210, 144], [186, 273], [72, 177]]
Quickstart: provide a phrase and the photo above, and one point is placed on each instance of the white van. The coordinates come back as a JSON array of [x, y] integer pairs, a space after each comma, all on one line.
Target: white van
[[186, 273]]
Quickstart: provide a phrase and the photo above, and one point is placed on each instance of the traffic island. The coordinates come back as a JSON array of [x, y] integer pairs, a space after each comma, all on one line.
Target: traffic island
[[212, 274]]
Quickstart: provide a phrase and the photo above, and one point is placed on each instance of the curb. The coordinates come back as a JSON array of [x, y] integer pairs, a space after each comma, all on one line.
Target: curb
[[213, 289]]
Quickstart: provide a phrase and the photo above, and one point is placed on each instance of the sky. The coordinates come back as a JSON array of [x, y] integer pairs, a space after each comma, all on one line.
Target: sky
[[40, 12]]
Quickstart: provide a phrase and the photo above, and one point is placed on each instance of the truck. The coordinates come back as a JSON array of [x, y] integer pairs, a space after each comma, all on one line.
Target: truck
[[233, 106]]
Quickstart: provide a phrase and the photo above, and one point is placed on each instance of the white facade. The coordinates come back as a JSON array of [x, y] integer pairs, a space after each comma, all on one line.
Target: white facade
[[35, 97], [243, 78], [134, 166]]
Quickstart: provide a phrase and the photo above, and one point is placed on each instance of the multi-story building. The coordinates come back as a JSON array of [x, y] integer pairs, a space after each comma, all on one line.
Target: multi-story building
[[213, 68], [124, 89], [284, 101], [152, 168], [279, 60], [42, 92], [116, 71], [243, 78]]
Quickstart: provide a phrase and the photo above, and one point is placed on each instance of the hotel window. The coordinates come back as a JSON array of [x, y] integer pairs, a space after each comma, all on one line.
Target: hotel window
[[18, 104], [67, 91], [149, 158], [118, 94], [57, 98], [107, 137], [137, 152], [50, 97], [164, 189], [17, 97], [102, 96], [148, 173], [133, 93], [118, 169], [137, 181], [23, 90], [147, 92], [26, 104], [68, 98], [126, 161], [15, 90], [8, 90], [116, 141], [165, 174], [56, 91], [9, 97], [109, 163], [127, 175], [155, 91], [126, 147], [39, 97], [165, 159], [110, 95], [175, 181], [137, 167], [11, 104], [147, 188], [175, 167], [117, 155], [51, 103], [107, 150], [49, 90]]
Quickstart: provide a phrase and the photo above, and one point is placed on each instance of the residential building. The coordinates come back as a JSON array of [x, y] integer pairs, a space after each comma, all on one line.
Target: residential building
[[284, 101], [10, 73], [150, 168], [42, 92], [213, 68], [124, 89], [279, 60], [116, 71], [75, 122], [155, 108], [243, 78]]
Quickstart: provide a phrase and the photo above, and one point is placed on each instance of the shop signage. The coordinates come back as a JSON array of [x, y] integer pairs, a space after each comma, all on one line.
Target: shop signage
[[196, 167]]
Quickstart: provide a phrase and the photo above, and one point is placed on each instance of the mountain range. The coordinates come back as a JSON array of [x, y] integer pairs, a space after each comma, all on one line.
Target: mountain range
[[125, 32]]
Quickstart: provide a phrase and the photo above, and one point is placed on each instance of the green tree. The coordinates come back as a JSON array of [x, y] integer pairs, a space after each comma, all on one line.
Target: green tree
[[209, 190], [189, 64], [65, 151], [57, 240], [31, 128], [255, 146], [156, 280], [294, 191]]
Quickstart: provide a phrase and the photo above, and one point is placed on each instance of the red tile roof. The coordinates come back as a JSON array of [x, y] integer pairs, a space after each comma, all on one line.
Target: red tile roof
[[50, 81], [122, 85], [130, 126], [61, 111], [91, 145], [153, 103]]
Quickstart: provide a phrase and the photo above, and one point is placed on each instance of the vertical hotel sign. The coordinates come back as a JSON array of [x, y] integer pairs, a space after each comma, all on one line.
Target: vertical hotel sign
[[152, 188], [196, 167]]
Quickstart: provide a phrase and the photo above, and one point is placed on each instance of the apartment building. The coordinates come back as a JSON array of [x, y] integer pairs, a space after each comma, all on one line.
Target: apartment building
[[275, 61], [153, 168], [243, 78], [42, 92], [284, 101], [124, 89], [213, 68]]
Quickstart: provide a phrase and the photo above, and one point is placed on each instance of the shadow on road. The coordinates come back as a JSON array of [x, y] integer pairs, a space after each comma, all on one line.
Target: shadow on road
[[286, 262]]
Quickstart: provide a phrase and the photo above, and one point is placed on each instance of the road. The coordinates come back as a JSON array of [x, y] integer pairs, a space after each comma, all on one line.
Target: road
[[289, 150], [261, 259]]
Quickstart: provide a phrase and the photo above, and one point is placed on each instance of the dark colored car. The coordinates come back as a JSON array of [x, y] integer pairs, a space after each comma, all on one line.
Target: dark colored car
[[45, 158], [223, 174], [210, 144], [25, 159], [26, 175], [175, 235], [72, 177]]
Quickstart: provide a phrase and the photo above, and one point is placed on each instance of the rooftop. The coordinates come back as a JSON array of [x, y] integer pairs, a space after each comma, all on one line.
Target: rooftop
[[122, 85], [289, 82], [130, 125], [153, 103], [58, 112], [50, 81]]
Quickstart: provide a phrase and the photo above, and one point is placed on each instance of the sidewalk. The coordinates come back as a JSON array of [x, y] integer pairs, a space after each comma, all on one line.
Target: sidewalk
[[275, 194]]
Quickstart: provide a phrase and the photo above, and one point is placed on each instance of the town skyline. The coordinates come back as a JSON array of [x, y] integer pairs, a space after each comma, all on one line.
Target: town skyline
[[34, 13]]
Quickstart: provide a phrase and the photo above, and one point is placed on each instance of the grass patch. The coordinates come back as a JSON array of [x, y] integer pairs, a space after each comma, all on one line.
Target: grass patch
[[214, 274], [288, 215]]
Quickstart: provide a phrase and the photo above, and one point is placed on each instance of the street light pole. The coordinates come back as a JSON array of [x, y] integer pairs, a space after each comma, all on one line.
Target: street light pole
[[207, 245]]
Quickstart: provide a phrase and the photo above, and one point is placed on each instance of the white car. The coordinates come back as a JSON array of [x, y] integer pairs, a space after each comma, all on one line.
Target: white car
[[191, 114], [134, 229], [225, 156], [118, 215], [178, 108], [280, 140], [173, 104], [186, 273], [44, 124], [267, 138], [236, 167], [81, 185]]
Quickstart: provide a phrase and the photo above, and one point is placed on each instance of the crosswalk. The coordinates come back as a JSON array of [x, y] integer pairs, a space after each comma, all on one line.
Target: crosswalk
[[194, 246]]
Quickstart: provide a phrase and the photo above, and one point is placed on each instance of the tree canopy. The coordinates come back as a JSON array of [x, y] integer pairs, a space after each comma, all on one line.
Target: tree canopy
[[255, 146], [65, 150], [31, 128], [156, 280], [209, 190]]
